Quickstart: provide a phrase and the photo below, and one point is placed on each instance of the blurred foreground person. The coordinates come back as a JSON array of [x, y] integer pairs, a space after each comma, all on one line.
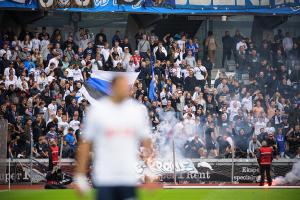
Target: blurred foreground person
[[265, 157], [115, 127]]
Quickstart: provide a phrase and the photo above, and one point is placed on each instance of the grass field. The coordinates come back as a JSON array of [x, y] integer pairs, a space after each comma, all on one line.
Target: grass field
[[164, 194]]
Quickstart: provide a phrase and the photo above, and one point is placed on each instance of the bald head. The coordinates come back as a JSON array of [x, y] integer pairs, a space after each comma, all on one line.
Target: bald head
[[120, 89]]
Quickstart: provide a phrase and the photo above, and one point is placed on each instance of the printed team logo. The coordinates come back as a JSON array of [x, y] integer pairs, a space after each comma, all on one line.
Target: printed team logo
[[138, 4], [46, 3], [295, 8], [82, 3], [101, 2], [63, 3]]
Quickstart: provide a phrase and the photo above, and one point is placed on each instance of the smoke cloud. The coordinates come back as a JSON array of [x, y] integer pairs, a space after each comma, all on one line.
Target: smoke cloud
[[291, 178], [169, 129]]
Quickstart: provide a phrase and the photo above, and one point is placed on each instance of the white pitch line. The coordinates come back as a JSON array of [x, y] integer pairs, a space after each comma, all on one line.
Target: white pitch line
[[228, 187]]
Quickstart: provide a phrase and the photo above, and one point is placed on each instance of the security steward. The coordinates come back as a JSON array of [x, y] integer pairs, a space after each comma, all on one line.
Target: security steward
[[265, 157], [53, 154]]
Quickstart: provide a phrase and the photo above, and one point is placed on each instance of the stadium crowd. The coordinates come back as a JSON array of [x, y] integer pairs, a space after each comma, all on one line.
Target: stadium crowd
[[42, 75]]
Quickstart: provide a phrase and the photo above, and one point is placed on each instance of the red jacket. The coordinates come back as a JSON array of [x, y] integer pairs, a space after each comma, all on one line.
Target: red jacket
[[54, 155], [136, 59], [265, 156]]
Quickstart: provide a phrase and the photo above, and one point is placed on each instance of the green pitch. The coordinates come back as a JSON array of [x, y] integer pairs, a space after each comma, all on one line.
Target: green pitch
[[164, 194]]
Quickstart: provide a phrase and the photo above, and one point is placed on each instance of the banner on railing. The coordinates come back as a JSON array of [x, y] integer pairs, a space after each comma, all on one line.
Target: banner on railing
[[162, 6], [127, 2], [16, 4], [52, 4], [187, 171], [195, 6]]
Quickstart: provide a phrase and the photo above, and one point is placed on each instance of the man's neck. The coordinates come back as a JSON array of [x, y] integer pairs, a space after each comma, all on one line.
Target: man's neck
[[117, 100]]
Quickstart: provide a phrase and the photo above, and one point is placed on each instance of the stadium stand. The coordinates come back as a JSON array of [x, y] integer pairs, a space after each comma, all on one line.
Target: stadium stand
[[42, 75]]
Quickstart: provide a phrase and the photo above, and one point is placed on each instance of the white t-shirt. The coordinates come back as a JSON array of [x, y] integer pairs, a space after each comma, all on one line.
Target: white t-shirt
[[131, 67], [9, 82], [189, 128], [6, 71], [181, 44], [77, 75], [198, 74], [95, 65], [74, 124], [247, 103], [64, 126], [239, 44], [230, 141], [55, 61], [36, 43], [259, 125], [105, 53], [52, 109], [115, 130], [44, 43]]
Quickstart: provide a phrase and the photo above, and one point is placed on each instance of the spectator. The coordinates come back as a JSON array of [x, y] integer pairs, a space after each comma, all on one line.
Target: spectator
[[52, 134], [287, 43], [293, 138], [70, 144], [254, 145], [36, 71], [194, 148], [144, 47], [212, 46], [228, 44], [200, 74]]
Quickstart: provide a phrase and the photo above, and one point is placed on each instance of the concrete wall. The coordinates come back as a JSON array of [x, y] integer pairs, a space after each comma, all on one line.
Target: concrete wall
[[127, 26], [92, 21], [243, 23], [292, 26]]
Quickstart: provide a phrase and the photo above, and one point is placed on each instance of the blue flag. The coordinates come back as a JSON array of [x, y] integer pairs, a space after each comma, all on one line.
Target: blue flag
[[152, 87], [99, 84]]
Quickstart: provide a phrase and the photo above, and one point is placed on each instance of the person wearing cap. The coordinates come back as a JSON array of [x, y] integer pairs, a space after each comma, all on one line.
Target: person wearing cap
[[126, 56], [265, 157]]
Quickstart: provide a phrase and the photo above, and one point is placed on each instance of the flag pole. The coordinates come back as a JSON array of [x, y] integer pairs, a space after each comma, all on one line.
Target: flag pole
[[9, 174], [31, 155], [174, 161], [61, 150]]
